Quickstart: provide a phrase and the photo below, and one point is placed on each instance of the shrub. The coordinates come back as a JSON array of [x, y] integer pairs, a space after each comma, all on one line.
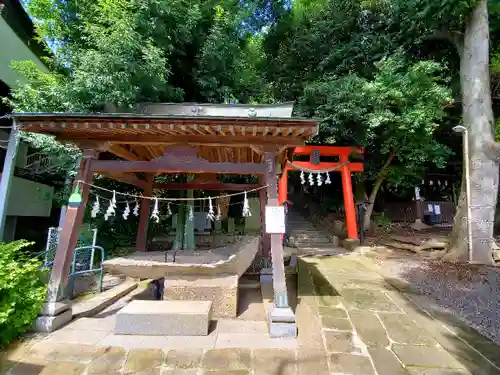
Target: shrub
[[22, 292]]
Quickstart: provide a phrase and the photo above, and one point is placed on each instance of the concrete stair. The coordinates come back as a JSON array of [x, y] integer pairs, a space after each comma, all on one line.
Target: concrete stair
[[305, 234]]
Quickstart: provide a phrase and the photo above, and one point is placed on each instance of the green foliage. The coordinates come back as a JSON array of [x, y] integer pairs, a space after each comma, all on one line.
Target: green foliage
[[380, 220], [124, 52], [394, 115], [22, 292]]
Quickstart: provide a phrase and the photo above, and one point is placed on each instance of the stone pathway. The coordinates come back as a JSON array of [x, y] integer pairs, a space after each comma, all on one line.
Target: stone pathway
[[351, 319], [375, 325]]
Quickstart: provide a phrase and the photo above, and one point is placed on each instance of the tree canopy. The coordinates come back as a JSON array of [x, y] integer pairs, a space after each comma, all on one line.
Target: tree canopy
[[124, 52], [387, 74]]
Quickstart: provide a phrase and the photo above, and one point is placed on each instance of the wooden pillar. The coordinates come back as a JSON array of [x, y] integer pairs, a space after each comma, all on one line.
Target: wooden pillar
[[279, 281], [350, 210], [69, 233], [7, 174], [283, 186], [142, 229]]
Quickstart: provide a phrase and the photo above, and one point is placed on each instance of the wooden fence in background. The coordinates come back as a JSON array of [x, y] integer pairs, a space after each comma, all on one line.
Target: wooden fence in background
[[406, 211]]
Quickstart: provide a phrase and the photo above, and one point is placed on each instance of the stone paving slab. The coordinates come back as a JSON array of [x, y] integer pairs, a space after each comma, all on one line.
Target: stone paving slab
[[350, 364], [385, 362], [183, 358], [282, 361], [370, 329], [80, 336], [436, 371], [143, 360], [401, 338], [109, 362], [425, 356], [227, 359], [312, 362], [373, 300], [357, 327], [340, 342], [402, 329]]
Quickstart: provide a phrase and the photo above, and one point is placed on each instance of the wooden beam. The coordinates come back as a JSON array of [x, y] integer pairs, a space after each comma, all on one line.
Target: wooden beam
[[205, 140], [328, 150], [122, 152], [127, 178], [208, 186], [353, 167], [174, 166]]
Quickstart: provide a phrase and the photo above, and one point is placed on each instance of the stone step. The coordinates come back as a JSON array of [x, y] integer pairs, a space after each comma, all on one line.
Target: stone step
[[303, 227], [308, 233], [314, 246], [311, 240], [164, 318]]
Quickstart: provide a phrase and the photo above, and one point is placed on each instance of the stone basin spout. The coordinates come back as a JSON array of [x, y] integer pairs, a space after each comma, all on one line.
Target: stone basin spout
[[233, 259]]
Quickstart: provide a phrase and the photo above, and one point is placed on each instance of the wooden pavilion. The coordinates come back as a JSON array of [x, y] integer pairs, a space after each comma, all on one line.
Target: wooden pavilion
[[174, 138]]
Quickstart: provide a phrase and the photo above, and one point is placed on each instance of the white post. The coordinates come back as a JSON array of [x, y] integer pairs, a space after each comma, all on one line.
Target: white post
[[7, 173], [62, 214], [465, 144], [94, 240], [467, 190]]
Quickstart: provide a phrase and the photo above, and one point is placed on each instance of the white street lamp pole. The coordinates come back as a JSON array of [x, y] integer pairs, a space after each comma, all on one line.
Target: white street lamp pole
[[465, 144]]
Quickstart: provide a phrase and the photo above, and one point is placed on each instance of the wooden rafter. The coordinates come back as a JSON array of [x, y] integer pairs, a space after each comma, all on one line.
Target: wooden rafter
[[128, 178], [123, 152]]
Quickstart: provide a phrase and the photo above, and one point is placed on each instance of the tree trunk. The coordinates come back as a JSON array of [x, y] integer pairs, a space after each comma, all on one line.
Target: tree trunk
[[371, 201], [478, 119], [375, 189]]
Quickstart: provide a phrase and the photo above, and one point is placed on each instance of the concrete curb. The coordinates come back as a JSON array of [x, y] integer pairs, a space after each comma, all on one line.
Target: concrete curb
[[101, 301]]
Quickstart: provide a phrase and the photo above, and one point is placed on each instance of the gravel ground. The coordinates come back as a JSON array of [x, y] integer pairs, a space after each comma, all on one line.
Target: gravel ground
[[470, 292]]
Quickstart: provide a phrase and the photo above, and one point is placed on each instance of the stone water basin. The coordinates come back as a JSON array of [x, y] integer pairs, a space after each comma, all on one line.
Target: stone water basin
[[233, 259]]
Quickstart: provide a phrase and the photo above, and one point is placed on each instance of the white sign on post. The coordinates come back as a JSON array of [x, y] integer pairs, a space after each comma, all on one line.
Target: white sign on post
[[275, 219], [417, 193], [437, 209]]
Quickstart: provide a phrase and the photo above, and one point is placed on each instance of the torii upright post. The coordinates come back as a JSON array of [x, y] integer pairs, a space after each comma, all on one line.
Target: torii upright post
[[352, 239]]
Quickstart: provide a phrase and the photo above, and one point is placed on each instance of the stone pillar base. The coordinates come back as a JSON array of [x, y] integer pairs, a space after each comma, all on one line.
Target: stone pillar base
[[222, 290], [418, 225], [282, 323], [350, 243], [53, 316]]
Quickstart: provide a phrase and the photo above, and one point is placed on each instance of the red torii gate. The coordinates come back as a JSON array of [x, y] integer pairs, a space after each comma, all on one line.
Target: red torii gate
[[343, 166]]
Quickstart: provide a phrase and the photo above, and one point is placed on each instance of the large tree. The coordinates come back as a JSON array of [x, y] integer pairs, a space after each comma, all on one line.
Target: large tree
[[394, 115], [465, 25], [323, 37]]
